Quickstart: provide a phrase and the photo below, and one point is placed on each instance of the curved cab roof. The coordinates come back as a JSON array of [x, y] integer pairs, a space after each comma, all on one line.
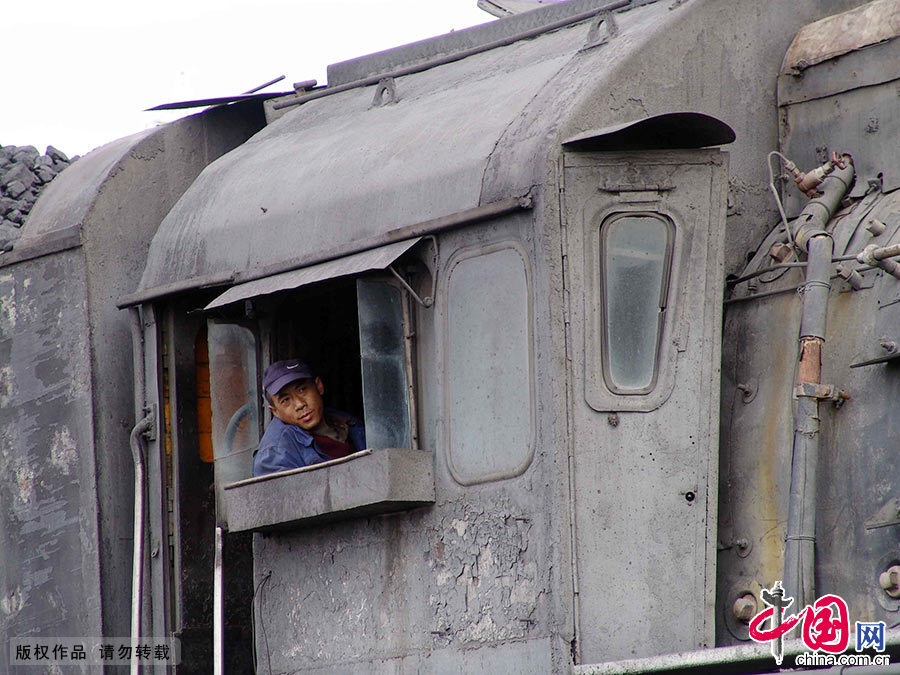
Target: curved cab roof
[[340, 168]]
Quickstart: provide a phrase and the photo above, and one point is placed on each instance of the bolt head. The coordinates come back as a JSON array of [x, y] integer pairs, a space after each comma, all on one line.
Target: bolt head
[[744, 608]]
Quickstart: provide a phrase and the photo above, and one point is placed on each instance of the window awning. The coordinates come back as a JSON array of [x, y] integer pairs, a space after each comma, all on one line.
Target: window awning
[[357, 263]]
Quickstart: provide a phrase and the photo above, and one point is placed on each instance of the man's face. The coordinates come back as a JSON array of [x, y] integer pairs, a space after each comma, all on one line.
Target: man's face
[[300, 403]]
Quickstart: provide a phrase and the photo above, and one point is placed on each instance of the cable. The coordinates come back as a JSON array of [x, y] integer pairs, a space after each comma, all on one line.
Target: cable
[[763, 270]]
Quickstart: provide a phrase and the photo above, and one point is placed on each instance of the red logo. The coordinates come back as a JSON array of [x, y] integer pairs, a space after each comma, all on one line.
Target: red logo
[[826, 623]]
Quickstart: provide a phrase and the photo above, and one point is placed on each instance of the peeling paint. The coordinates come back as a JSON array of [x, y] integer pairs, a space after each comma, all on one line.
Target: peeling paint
[[8, 310], [490, 585], [25, 482], [12, 602], [460, 526], [63, 451], [6, 385]]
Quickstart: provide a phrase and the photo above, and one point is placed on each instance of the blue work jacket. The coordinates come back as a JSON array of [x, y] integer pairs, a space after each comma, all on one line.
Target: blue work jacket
[[286, 446]]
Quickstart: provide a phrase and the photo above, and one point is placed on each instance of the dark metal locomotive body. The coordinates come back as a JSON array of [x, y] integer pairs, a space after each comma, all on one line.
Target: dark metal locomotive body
[[507, 249]]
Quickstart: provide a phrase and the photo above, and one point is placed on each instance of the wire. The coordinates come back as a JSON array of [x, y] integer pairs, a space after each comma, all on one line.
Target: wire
[[777, 198], [763, 270]]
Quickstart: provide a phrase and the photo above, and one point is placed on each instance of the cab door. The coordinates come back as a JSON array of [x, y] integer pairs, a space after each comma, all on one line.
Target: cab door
[[644, 240]]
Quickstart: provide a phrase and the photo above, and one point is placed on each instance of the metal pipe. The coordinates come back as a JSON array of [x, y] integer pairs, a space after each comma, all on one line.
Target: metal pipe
[[851, 276], [799, 552], [880, 256], [135, 442], [570, 434], [818, 211], [137, 562], [218, 607], [456, 56]]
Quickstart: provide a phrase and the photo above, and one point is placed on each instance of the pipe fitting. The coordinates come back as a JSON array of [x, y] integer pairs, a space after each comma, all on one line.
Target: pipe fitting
[[851, 276], [817, 212], [880, 256], [876, 227], [889, 580]]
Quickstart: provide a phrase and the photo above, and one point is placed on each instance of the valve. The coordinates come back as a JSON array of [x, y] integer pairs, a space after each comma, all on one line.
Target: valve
[[809, 181]]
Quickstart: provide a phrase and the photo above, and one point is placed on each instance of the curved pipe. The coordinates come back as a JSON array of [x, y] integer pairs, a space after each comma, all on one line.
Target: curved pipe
[[137, 567], [810, 235], [817, 212]]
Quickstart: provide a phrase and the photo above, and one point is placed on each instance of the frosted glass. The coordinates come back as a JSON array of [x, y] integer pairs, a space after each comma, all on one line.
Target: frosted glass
[[634, 255]]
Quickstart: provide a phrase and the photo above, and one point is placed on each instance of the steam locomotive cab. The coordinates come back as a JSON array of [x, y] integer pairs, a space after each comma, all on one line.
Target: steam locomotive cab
[[505, 251]]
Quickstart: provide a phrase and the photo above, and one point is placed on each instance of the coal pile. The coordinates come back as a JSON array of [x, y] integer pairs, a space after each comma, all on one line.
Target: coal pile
[[24, 173]]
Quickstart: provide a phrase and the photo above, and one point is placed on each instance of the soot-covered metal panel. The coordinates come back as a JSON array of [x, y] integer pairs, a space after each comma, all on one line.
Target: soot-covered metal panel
[[49, 563], [489, 399], [68, 199], [455, 41], [471, 574], [339, 168], [857, 469], [645, 481]]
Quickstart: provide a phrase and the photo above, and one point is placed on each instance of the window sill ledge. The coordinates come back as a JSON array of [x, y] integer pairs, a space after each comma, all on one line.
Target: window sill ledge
[[388, 480]]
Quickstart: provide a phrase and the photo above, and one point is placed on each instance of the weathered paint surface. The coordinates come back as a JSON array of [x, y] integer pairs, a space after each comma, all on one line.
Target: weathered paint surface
[[49, 576], [462, 575], [844, 100], [466, 583], [836, 35], [857, 468]]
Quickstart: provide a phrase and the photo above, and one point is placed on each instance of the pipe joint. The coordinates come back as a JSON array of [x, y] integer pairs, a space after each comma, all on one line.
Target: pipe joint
[[807, 233], [878, 256]]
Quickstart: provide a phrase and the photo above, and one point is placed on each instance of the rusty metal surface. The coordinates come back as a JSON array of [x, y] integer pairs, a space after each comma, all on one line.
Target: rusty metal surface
[[843, 33]]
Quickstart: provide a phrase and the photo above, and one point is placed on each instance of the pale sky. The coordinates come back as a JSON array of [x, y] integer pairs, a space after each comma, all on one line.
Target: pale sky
[[78, 74]]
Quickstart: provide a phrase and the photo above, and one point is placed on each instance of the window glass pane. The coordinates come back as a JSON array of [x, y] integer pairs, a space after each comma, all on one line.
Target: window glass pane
[[383, 358], [634, 254], [489, 389], [235, 399]]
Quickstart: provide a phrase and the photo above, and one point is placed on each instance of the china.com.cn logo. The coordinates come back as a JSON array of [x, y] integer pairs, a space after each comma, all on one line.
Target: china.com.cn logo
[[825, 628]]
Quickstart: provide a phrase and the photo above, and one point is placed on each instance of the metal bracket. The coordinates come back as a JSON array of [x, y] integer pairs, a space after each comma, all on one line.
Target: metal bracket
[[889, 352], [822, 392], [887, 515], [150, 433], [385, 93], [603, 29], [428, 300]]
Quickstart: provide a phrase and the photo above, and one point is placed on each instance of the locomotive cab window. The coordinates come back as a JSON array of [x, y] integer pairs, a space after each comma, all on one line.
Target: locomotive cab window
[[635, 257], [632, 330], [353, 339]]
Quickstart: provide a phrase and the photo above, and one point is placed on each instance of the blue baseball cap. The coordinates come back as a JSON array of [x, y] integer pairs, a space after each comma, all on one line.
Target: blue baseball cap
[[282, 373]]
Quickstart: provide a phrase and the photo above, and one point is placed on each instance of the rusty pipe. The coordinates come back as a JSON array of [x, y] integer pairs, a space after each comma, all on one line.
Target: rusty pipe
[[799, 550], [818, 211]]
